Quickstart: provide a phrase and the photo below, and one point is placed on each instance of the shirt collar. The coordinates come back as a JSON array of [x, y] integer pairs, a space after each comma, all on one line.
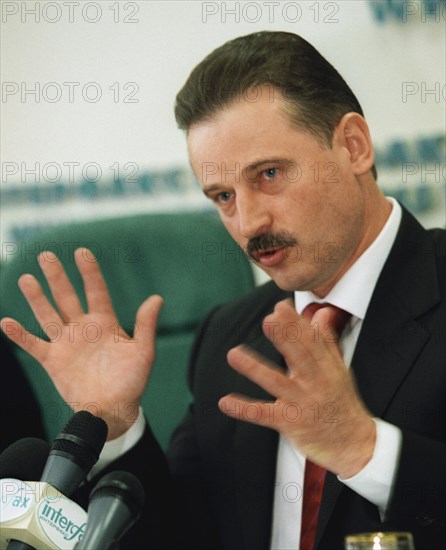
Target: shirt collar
[[354, 290]]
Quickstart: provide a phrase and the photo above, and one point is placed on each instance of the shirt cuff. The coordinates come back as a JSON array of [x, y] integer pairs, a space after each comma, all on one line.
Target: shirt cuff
[[117, 447], [374, 482]]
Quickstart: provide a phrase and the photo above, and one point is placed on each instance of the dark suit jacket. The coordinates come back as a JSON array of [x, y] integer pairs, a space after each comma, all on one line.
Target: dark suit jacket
[[219, 493], [19, 410]]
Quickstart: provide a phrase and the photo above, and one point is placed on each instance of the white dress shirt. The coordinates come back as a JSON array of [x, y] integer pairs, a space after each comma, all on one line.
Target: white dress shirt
[[352, 293]]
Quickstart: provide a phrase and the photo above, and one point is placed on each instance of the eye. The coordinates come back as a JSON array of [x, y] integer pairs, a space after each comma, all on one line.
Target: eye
[[224, 197], [270, 173]]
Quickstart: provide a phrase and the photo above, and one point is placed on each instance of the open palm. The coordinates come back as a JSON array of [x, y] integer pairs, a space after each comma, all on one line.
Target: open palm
[[89, 357]]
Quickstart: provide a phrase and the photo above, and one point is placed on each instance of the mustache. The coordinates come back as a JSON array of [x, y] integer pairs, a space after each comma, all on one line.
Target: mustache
[[267, 241]]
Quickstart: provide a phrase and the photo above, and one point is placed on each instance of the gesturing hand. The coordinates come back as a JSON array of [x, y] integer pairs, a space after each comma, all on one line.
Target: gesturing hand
[[317, 407], [110, 368]]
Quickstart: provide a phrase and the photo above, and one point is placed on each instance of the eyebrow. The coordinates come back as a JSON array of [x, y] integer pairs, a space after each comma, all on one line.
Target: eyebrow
[[254, 165], [210, 189], [248, 168]]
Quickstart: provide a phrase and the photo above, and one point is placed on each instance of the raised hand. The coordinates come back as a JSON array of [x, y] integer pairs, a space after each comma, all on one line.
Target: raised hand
[[108, 368], [317, 407]]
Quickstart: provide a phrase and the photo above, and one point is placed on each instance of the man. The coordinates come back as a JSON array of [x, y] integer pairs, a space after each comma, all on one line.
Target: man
[[279, 143]]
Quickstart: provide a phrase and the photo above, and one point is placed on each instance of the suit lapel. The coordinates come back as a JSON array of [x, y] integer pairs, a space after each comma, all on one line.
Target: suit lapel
[[256, 451], [391, 338]]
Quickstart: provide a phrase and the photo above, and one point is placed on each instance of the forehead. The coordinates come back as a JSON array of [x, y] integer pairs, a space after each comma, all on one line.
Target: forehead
[[247, 131]]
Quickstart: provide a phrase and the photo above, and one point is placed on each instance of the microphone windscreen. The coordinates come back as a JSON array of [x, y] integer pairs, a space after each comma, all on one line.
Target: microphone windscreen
[[115, 505], [123, 485], [82, 438], [24, 459]]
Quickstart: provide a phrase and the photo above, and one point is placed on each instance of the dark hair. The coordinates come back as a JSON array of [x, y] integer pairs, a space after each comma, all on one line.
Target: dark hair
[[316, 95]]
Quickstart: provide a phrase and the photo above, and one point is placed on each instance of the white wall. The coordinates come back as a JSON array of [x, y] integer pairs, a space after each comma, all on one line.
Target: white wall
[[391, 53]]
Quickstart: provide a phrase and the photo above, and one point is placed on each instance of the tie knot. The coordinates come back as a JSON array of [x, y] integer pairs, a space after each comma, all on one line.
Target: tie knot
[[340, 317]]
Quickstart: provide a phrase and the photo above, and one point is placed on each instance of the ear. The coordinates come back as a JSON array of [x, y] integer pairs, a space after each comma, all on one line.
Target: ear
[[353, 133]]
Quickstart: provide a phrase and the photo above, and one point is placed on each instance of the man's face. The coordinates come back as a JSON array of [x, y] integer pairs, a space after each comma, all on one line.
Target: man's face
[[295, 207]]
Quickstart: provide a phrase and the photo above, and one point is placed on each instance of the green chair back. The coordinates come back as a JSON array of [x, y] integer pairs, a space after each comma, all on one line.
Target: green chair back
[[187, 258]]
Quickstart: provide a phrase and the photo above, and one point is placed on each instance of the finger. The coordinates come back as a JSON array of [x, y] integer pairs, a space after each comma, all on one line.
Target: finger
[[96, 291], [291, 335], [259, 370], [32, 344], [44, 312], [146, 321], [240, 407], [62, 290], [325, 319]]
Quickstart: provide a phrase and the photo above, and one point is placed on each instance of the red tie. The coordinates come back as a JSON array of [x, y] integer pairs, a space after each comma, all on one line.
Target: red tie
[[315, 475]]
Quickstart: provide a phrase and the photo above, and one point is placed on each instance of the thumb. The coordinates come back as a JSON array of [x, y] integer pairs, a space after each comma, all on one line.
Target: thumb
[[146, 321], [327, 320]]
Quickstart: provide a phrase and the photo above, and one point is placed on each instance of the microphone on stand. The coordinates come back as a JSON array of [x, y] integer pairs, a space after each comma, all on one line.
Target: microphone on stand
[[24, 459], [115, 505], [74, 452]]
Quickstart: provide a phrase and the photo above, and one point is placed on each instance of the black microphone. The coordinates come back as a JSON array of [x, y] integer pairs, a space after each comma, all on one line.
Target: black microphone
[[115, 505], [24, 459], [74, 452]]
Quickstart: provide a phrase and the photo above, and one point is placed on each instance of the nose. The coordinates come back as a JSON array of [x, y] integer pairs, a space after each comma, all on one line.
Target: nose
[[253, 214]]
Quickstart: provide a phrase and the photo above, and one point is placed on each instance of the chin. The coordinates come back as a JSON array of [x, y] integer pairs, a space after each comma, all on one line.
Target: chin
[[291, 282]]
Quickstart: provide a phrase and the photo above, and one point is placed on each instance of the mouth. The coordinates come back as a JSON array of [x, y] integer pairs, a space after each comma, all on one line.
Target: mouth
[[271, 256]]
